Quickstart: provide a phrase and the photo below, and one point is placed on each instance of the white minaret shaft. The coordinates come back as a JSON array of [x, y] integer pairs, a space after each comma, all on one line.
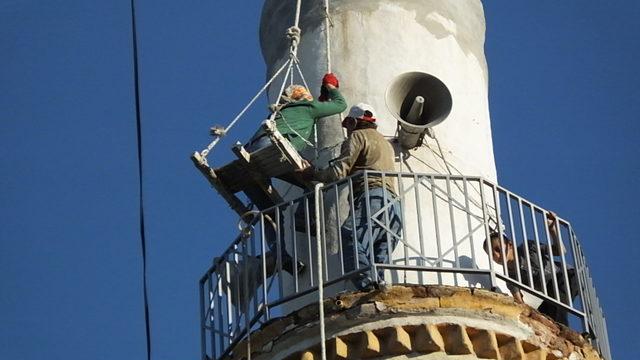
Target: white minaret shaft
[[375, 41], [401, 57]]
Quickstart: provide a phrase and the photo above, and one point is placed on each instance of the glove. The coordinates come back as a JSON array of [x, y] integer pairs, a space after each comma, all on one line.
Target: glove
[[324, 94], [330, 79]]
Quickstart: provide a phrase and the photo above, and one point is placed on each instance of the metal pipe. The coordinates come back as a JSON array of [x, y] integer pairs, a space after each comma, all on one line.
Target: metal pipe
[[565, 271], [338, 230], [513, 234], [318, 193], [526, 241], [294, 240], [543, 280]]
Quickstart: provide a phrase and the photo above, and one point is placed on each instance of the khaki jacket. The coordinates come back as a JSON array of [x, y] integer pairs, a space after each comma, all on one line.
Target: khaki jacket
[[364, 149]]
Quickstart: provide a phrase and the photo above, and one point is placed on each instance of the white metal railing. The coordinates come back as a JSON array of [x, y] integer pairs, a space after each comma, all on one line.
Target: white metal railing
[[445, 221]]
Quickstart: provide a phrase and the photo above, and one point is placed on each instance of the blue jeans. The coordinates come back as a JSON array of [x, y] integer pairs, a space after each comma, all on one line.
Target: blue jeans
[[258, 143], [382, 240]]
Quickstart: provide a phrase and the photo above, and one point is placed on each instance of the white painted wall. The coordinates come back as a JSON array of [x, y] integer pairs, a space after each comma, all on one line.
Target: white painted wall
[[373, 42]]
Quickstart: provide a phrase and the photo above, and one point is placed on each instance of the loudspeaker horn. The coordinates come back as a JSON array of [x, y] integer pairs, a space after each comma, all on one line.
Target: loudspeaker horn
[[418, 101]]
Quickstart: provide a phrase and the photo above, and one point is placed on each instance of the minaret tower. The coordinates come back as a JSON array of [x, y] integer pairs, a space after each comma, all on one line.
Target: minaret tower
[[421, 65]]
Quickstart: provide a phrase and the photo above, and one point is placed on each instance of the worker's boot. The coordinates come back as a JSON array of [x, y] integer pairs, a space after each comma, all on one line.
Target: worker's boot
[[287, 265], [271, 261]]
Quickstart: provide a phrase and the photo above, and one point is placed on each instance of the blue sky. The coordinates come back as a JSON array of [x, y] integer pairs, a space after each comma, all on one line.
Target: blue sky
[[563, 100]]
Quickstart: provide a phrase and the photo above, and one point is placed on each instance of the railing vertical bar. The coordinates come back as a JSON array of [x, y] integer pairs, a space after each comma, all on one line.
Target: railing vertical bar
[[525, 240], [487, 234], [453, 228], [323, 227], [309, 245], [352, 210], [294, 243], [543, 282], [253, 252], [338, 230], [403, 223], [220, 318], [513, 234], [230, 310], [565, 271], [416, 191], [436, 225], [551, 256], [588, 297], [385, 218], [579, 273], [496, 200], [279, 249], [212, 300], [372, 262], [203, 330], [265, 293], [236, 295], [245, 290], [468, 211]]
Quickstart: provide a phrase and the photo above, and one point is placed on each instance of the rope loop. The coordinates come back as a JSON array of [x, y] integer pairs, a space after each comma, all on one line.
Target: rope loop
[[293, 34]]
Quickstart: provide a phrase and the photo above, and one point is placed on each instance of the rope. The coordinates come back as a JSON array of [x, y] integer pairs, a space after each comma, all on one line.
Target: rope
[[304, 81], [298, 8], [224, 131], [276, 106], [294, 35], [446, 163], [309, 143], [141, 202], [327, 25]]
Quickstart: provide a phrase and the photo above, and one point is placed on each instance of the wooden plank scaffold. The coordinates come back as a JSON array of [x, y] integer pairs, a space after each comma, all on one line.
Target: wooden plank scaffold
[[251, 172]]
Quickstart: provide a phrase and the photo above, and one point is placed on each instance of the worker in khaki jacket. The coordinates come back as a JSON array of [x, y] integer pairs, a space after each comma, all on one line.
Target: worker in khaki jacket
[[366, 149]]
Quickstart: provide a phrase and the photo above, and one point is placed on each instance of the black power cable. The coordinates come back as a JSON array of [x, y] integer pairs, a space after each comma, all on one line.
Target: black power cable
[[139, 132]]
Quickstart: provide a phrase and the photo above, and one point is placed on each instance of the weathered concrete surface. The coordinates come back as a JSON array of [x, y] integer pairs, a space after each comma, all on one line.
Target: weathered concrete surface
[[419, 322]]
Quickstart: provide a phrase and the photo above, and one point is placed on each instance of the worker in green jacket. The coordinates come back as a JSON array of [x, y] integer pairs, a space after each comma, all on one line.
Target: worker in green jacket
[[299, 111]]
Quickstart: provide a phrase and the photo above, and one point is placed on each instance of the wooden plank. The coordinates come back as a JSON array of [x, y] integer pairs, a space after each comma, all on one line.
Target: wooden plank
[[287, 149], [233, 201], [271, 161]]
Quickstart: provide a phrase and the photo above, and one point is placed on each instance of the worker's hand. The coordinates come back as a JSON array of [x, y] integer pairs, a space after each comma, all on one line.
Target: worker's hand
[[330, 81], [552, 218], [305, 164], [517, 296], [324, 94]]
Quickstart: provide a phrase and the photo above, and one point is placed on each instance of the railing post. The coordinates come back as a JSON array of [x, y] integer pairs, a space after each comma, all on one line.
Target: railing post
[[203, 329], [373, 269], [487, 233], [319, 233]]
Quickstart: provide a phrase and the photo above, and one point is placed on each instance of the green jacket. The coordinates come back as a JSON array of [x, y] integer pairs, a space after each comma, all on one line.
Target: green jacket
[[295, 120]]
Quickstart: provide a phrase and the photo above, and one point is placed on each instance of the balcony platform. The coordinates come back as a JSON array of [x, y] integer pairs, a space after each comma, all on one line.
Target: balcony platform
[[415, 321], [445, 221]]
